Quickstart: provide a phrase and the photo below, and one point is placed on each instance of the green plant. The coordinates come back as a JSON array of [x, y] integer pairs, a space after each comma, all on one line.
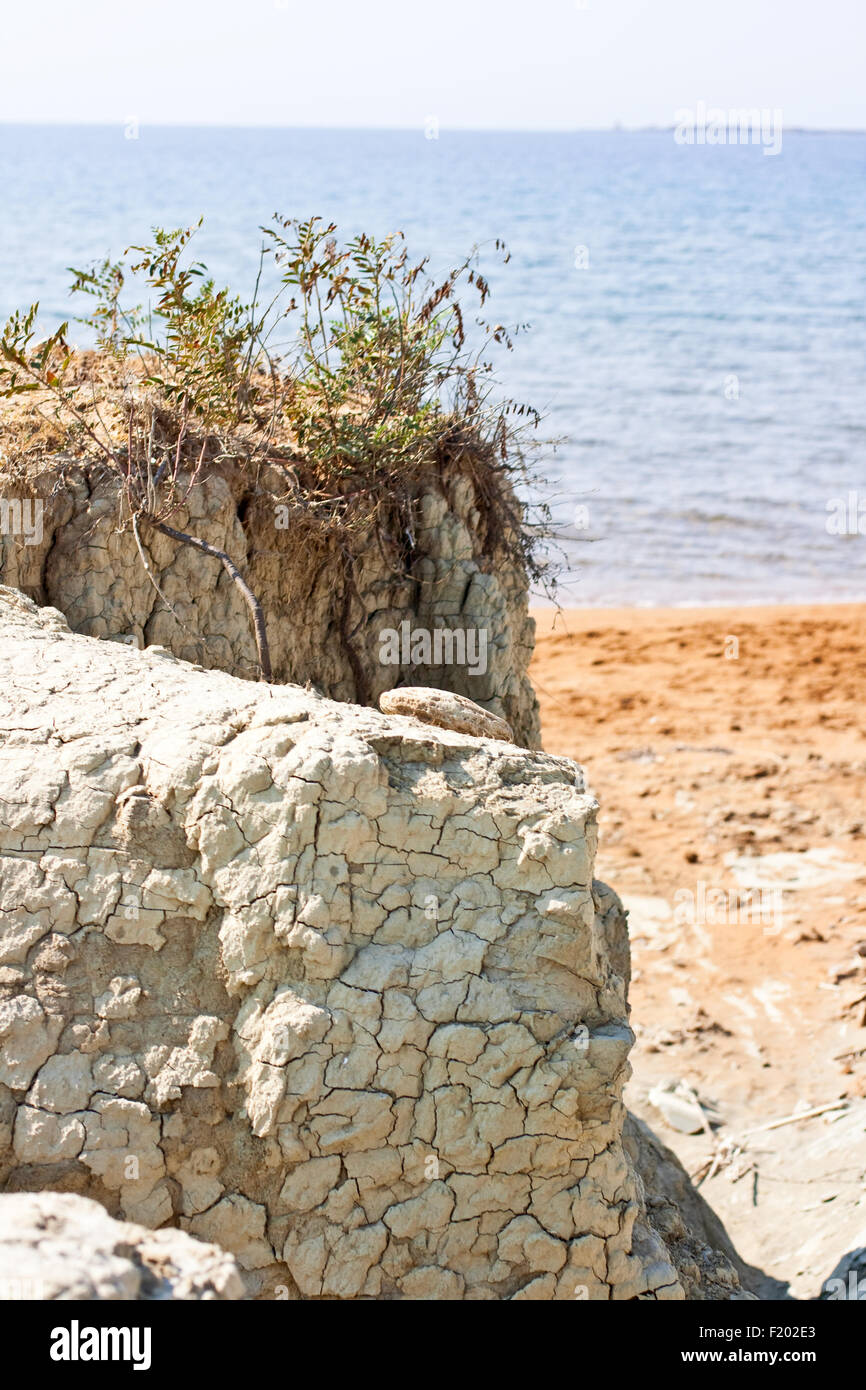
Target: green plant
[[382, 356], [350, 368]]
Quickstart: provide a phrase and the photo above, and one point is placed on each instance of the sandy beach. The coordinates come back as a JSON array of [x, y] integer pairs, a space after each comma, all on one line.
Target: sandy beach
[[727, 748]]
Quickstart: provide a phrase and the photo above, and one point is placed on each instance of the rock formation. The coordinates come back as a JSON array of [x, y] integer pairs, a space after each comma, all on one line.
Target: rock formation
[[352, 639], [54, 1245], [706, 1262], [332, 989]]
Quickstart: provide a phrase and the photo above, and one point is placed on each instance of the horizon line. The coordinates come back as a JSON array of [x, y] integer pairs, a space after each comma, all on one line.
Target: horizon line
[[618, 128]]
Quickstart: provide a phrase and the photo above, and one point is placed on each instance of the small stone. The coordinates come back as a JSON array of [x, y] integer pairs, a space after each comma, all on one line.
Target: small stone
[[680, 1109], [447, 710]]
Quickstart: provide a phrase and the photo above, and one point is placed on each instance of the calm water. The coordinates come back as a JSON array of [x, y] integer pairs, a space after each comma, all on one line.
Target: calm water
[[703, 353]]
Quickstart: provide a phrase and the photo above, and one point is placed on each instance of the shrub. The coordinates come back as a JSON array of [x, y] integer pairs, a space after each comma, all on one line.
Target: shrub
[[350, 368]]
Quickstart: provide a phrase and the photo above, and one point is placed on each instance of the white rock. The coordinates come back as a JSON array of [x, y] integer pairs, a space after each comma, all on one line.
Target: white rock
[[56, 1245], [314, 974]]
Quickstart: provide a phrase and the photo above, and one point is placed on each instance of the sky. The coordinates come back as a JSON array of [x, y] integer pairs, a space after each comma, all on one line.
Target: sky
[[468, 64]]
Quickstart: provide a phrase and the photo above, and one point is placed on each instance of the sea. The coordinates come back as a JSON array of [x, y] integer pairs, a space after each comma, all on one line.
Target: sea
[[692, 317]]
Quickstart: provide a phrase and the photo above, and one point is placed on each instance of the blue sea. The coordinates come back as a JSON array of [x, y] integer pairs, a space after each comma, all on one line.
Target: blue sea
[[696, 339]]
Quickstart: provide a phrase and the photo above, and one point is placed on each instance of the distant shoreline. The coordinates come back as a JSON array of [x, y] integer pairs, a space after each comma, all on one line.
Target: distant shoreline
[[578, 615]]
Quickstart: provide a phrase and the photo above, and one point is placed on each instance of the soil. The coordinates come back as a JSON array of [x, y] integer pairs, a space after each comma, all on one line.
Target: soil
[[727, 748]]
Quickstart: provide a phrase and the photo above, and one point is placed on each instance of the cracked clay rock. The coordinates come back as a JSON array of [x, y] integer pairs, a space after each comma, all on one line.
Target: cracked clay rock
[[330, 990], [446, 710]]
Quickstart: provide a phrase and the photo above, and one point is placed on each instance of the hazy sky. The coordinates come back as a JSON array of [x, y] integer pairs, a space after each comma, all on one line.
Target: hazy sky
[[512, 64]]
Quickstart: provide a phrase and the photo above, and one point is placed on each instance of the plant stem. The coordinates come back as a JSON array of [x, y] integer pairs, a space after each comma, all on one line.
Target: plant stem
[[237, 578]]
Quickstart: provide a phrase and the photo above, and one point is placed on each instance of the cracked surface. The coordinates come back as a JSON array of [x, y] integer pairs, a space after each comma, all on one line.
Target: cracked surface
[[446, 710], [94, 575], [331, 989]]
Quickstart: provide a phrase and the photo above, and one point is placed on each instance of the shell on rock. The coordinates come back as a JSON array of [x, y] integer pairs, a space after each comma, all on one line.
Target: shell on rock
[[447, 710]]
